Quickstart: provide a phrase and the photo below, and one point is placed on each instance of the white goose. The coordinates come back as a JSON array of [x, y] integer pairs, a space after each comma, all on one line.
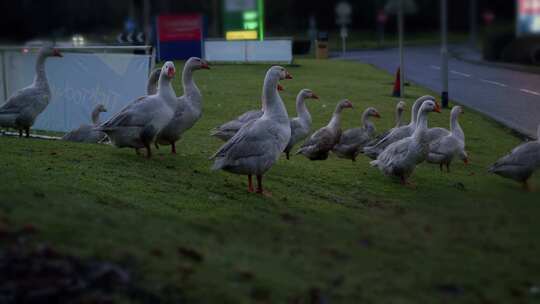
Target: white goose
[[227, 130], [189, 106], [398, 133], [88, 133], [137, 125], [401, 157], [443, 149], [300, 125], [353, 140], [323, 140], [520, 164], [23, 107], [255, 148], [400, 108]]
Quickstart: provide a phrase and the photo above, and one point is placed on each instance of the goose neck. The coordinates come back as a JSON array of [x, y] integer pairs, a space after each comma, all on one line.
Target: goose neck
[[95, 116], [455, 126], [166, 91], [272, 103], [301, 108], [191, 91], [40, 79]]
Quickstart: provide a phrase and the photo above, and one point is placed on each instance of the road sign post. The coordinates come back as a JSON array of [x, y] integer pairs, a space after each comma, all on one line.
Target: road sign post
[[401, 57], [444, 53], [343, 12]]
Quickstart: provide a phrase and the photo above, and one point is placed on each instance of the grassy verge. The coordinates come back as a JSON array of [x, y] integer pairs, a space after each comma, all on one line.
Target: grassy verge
[[334, 230]]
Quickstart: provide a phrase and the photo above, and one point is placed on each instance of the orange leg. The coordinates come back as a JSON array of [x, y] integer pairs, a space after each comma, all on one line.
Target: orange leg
[[250, 184]]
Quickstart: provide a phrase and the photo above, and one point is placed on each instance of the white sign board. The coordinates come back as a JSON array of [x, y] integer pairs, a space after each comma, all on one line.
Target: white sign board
[[279, 50], [79, 82]]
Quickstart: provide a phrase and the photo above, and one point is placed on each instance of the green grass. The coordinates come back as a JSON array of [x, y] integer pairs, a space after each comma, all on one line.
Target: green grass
[[335, 226]]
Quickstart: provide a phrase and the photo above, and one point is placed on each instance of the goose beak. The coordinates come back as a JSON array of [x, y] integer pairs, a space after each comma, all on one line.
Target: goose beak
[[349, 104], [377, 115], [56, 53], [314, 96], [171, 73], [280, 87], [204, 65], [288, 76], [437, 108]]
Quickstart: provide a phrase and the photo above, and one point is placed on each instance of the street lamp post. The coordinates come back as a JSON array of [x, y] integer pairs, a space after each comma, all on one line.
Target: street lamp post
[[444, 54], [401, 59]]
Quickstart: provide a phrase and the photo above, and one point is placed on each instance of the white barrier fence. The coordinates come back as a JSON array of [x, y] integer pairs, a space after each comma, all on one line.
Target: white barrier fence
[[79, 81], [249, 51]]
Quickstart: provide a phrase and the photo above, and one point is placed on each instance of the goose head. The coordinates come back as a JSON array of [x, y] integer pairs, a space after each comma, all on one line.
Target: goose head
[[457, 110], [308, 94], [344, 104], [49, 51], [196, 63], [168, 71], [100, 108], [430, 106], [279, 72], [372, 112], [401, 106]]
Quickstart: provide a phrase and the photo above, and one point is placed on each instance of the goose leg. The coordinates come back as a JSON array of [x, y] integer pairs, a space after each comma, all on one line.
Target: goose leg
[[156, 145], [448, 167], [441, 166], [148, 151], [260, 187], [250, 184], [27, 132], [173, 147], [526, 186], [20, 132], [287, 154]]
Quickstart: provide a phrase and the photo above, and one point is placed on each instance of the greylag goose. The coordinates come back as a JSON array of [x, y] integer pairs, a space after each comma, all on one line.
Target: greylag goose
[[353, 140], [401, 157], [152, 84], [400, 108], [443, 149], [323, 140], [396, 134], [227, 130], [23, 107], [88, 133], [520, 164], [189, 106], [255, 148], [300, 125], [137, 125]]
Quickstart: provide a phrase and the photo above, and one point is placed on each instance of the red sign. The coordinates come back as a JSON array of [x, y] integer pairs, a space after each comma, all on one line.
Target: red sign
[[529, 7], [381, 17], [180, 27]]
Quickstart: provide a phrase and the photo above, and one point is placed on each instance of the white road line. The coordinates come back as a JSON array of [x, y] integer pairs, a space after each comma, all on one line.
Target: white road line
[[494, 82], [435, 67], [530, 92], [461, 74]]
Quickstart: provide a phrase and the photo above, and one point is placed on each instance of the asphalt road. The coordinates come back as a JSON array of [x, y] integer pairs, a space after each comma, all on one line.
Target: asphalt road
[[510, 97]]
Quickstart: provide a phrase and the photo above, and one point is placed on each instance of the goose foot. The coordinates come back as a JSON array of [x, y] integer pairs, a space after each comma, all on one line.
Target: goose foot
[[260, 188], [250, 184], [173, 148], [405, 182], [148, 151]]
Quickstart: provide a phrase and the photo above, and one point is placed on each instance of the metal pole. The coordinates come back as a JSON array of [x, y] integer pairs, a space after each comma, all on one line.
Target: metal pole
[[146, 17], [473, 26], [444, 54], [401, 60]]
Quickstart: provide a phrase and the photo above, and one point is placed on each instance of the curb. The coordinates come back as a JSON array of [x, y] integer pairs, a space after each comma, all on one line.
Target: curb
[[501, 65]]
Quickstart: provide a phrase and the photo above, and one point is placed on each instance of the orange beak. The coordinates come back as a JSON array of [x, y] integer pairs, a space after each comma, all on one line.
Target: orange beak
[[204, 65], [377, 115], [288, 76], [171, 72], [280, 87], [314, 96], [437, 108]]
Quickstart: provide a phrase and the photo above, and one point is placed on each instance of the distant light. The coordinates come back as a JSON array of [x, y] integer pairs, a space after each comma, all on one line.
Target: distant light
[[25, 50], [78, 40], [250, 15], [251, 25], [241, 35]]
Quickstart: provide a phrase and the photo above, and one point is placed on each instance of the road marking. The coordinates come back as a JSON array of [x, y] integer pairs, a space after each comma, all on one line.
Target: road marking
[[461, 74], [435, 67], [530, 92], [494, 82]]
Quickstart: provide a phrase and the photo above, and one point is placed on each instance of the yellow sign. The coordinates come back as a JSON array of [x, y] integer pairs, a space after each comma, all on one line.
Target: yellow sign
[[241, 35]]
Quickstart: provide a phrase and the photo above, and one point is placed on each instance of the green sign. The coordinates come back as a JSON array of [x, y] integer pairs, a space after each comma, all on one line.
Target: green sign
[[243, 19]]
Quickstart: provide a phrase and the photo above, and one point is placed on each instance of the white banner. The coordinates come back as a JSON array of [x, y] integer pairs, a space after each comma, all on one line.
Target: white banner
[[278, 50], [79, 82]]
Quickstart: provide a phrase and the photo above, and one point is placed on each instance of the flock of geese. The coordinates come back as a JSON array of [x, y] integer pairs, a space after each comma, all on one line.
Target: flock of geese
[[255, 140]]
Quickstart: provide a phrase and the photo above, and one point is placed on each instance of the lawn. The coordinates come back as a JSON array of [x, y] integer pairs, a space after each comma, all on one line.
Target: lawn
[[333, 232]]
